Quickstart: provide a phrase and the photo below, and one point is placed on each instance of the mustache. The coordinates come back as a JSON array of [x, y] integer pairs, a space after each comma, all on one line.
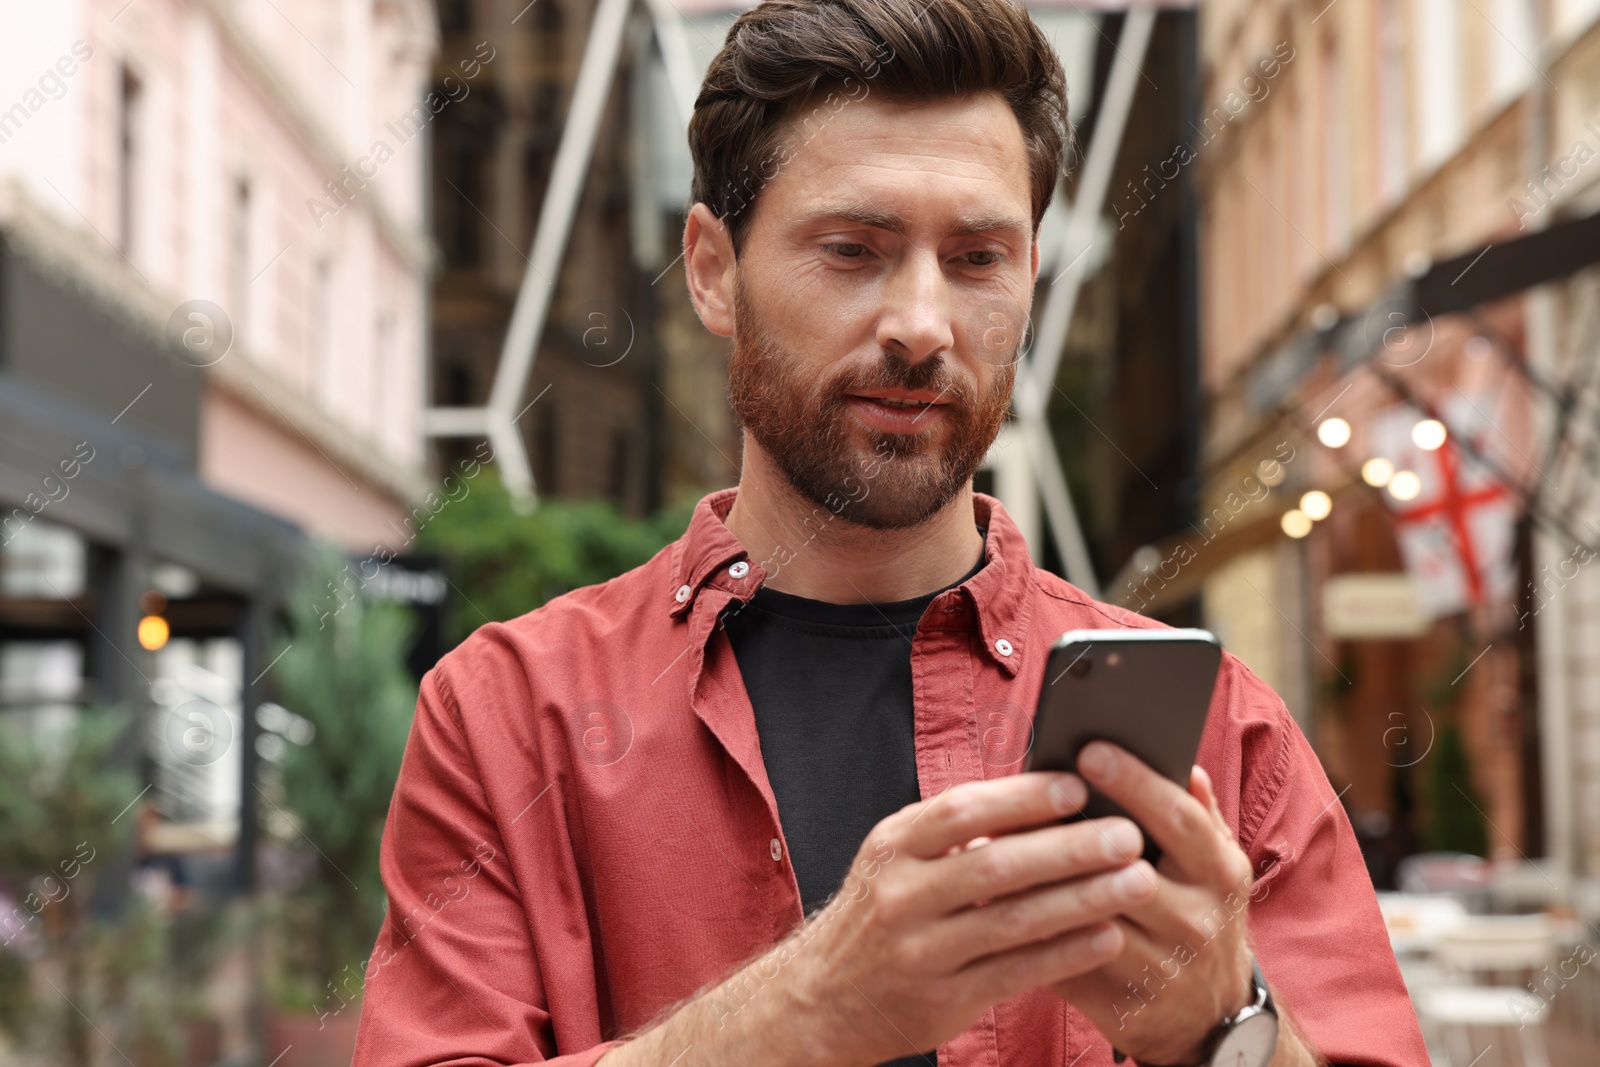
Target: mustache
[[894, 371]]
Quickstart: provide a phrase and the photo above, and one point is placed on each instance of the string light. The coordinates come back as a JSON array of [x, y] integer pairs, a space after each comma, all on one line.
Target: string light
[[1316, 504], [1377, 471], [1334, 432], [1405, 485], [1295, 523], [1428, 434]]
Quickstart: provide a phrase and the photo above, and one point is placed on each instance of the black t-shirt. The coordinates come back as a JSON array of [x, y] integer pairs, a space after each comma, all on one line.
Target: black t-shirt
[[831, 689]]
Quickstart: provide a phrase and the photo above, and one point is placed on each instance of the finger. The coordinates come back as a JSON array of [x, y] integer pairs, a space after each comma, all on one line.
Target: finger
[[1201, 789], [987, 808], [1145, 967], [1018, 861], [1176, 913], [1042, 913], [1061, 958], [1164, 809]]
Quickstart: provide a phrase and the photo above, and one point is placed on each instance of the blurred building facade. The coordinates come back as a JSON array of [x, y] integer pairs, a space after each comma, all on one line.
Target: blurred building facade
[[213, 323], [627, 389], [1381, 328]]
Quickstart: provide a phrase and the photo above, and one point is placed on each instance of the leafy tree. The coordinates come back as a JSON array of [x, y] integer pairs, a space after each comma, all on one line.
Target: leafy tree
[[1455, 822], [505, 563], [62, 833], [343, 671]]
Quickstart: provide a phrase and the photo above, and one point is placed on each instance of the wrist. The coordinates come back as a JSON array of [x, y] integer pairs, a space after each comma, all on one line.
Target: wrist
[[792, 1003], [834, 1034], [1202, 1048]]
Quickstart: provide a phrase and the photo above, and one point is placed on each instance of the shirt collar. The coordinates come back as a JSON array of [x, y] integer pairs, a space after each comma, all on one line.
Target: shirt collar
[[1002, 592]]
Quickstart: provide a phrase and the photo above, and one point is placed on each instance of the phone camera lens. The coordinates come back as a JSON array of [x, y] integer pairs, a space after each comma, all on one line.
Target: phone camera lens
[[1080, 666]]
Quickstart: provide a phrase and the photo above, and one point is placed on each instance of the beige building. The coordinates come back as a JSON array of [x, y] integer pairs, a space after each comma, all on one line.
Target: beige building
[[1370, 172], [213, 277]]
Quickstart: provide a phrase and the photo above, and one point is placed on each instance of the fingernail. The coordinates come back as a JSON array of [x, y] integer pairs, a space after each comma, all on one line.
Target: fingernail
[[1130, 882], [1122, 841], [1067, 793], [1098, 760]]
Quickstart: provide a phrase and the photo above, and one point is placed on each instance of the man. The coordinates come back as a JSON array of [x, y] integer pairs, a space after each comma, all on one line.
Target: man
[[757, 801]]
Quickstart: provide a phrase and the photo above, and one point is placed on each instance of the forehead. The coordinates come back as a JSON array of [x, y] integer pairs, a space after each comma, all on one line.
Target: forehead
[[957, 155]]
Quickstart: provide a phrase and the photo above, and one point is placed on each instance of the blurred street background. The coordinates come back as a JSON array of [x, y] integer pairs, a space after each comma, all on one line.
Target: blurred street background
[[332, 329]]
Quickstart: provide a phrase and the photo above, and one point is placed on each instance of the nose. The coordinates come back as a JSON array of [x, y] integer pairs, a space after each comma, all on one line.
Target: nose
[[916, 309]]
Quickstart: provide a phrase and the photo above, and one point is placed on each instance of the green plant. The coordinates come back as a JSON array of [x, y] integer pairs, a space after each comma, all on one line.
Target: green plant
[[62, 835], [505, 563], [1455, 818], [342, 670]]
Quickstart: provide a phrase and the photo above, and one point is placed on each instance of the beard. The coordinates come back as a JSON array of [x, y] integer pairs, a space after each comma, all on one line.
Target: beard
[[805, 425]]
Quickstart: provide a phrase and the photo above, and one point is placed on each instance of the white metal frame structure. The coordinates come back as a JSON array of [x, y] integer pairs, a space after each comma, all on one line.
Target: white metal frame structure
[[1035, 378]]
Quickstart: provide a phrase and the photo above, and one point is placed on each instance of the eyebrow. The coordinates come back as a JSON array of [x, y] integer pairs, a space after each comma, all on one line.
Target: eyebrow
[[880, 219]]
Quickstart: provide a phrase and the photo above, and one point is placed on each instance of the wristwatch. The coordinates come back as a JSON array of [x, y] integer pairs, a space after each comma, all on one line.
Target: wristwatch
[[1246, 1039]]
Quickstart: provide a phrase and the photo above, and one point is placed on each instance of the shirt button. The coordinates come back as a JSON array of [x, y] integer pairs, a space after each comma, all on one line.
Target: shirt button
[[777, 849], [682, 594], [1003, 647], [740, 569]]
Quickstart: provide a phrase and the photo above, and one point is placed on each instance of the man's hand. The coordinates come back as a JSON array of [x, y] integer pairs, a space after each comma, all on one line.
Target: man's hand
[[982, 894], [1185, 952], [953, 904]]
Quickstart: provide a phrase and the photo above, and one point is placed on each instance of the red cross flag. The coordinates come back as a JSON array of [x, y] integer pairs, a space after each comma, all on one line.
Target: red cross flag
[[1456, 534]]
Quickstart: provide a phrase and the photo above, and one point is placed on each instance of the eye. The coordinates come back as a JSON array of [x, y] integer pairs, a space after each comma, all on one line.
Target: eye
[[846, 250], [993, 260]]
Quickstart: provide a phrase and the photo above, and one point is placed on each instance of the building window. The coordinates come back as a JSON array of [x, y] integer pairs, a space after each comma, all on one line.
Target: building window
[[456, 386], [544, 450], [1335, 151], [618, 487], [381, 367], [1438, 85], [549, 27], [1513, 45], [129, 107], [1391, 117], [42, 662], [455, 16], [196, 691], [322, 348], [239, 280], [460, 166]]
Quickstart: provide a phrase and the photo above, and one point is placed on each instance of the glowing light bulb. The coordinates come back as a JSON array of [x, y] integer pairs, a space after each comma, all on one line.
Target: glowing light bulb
[[1428, 434], [1295, 523], [1316, 504], [153, 632], [1334, 432], [1405, 485], [1377, 471]]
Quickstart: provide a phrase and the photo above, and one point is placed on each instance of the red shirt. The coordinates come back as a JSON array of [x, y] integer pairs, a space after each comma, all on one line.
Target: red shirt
[[583, 832]]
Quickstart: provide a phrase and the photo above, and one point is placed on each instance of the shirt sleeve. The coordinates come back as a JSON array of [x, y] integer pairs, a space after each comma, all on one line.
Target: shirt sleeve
[[454, 977], [1313, 915]]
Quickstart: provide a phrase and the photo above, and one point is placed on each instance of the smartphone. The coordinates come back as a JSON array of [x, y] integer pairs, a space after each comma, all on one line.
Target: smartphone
[[1147, 691]]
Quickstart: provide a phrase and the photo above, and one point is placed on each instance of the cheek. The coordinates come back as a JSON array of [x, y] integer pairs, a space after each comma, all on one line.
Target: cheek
[[814, 321]]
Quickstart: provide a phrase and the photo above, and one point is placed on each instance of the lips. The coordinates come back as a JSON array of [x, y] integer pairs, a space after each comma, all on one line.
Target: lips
[[900, 412]]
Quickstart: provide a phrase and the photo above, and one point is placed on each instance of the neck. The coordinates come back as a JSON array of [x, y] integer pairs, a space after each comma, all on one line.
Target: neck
[[840, 562]]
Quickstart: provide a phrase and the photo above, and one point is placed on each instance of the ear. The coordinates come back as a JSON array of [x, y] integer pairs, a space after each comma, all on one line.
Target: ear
[[708, 263]]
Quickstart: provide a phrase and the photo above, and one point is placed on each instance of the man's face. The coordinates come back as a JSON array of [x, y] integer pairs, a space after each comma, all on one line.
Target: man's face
[[879, 300]]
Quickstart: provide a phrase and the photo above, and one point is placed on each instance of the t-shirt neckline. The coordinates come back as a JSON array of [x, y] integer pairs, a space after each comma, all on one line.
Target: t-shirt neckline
[[897, 613]]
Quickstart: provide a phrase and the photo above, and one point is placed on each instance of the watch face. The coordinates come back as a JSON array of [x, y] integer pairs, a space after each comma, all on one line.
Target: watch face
[[1250, 1042]]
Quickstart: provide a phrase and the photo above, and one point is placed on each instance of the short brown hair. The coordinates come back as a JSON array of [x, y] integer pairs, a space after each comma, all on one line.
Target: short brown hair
[[781, 54]]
